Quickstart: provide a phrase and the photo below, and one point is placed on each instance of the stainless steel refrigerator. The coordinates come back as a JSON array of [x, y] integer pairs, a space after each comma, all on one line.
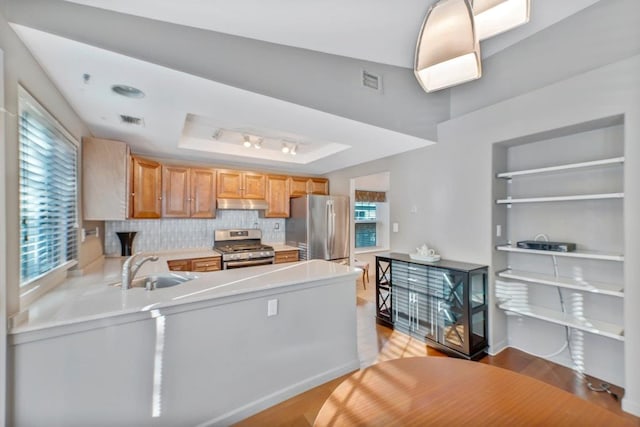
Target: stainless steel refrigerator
[[319, 227]]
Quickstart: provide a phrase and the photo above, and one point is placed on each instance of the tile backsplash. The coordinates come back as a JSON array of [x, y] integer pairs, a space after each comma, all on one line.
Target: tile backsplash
[[166, 234]]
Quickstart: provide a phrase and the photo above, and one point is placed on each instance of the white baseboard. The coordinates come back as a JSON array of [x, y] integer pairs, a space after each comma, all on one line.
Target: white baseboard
[[279, 396], [498, 347], [630, 406]]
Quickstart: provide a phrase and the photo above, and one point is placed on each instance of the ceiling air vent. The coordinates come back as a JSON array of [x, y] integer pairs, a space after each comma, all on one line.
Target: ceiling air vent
[[130, 120], [371, 81]]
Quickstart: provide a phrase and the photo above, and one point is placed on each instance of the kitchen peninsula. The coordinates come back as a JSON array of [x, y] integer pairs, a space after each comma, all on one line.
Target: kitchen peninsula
[[212, 350]]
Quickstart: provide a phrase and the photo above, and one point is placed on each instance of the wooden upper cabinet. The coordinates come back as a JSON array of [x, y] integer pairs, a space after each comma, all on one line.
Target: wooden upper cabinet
[[229, 184], [188, 192], [175, 191], [203, 193], [241, 185], [146, 188], [254, 185], [277, 196], [301, 185], [105, 179], [297, 185], [318, 186]]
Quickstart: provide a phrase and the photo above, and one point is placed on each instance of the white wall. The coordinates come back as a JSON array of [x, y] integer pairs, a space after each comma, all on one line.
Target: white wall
[[3, 264], [22, 68], [450, 184]]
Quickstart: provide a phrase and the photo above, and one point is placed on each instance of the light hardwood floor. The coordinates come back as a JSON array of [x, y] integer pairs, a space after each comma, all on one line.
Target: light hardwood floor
[[377, 343]]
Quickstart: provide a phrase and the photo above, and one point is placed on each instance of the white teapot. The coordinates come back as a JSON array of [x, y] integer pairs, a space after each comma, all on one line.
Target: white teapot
[[424, 250]]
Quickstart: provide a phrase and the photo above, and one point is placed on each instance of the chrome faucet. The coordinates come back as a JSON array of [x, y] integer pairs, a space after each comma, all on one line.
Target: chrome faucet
[[129, 271]]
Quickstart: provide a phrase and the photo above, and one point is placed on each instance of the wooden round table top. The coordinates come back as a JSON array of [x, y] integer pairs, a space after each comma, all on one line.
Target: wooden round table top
[[442, 391]]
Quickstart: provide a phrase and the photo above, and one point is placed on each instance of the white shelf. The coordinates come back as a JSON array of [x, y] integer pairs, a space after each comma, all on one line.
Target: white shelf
[[606, 256], [509, 201], [584, 324], [611, 289], [581, 165]]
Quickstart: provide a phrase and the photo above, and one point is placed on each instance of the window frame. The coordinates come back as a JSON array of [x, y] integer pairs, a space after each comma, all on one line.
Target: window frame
[[33, 288]]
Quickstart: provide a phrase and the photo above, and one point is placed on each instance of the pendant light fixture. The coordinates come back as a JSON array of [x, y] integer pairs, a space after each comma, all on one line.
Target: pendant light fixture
[[497, 16], [448, 51]]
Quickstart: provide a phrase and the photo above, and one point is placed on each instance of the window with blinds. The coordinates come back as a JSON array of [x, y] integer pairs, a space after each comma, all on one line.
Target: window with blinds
[[48, 192]]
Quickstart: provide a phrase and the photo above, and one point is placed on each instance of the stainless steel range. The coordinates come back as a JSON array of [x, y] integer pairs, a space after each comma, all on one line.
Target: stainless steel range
[[242, 248]]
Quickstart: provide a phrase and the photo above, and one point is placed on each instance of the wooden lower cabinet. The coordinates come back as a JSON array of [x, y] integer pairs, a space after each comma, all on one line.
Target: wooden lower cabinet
[[286, 256], [179, 265], [206, 264], [196, 264]]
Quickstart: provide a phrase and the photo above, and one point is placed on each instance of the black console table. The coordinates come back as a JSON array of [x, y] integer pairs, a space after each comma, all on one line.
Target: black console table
[[443, 303]]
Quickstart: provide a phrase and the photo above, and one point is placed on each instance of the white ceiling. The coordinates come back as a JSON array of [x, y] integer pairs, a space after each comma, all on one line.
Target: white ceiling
[[182, 111]]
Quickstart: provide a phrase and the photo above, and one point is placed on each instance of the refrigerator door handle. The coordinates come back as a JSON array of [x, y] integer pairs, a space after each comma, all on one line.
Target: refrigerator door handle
[[327, 242], [333, 231]]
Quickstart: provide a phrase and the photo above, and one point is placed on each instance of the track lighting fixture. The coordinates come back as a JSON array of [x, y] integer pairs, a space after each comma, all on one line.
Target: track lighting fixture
[[247, 141]]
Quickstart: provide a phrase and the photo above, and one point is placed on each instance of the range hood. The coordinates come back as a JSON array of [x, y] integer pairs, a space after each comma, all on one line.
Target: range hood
[[242, 204]]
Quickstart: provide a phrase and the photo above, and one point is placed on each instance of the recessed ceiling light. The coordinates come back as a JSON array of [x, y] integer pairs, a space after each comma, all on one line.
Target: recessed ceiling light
[[285, 148], [258, 143], [128, 91]]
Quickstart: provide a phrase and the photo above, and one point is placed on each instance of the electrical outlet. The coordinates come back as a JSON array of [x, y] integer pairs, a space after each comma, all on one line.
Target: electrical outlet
[[272, 307], [276, 226], [395, 227], [498, 230]]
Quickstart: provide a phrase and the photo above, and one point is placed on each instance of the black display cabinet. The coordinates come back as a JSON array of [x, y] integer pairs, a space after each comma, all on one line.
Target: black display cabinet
[[443, 303]]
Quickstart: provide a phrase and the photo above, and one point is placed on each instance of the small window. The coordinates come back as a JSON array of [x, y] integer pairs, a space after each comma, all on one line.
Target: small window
[[48, 192], [365, 225]]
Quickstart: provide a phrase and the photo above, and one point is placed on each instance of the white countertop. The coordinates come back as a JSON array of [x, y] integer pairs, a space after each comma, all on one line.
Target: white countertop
[[93, 297]]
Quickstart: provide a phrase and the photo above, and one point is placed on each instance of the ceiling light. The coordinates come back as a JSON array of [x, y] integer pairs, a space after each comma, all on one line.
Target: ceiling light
[[448, 51], [247, 141], [258, 144], [496, 16], [285, 148], [128, 91], [294, 150]]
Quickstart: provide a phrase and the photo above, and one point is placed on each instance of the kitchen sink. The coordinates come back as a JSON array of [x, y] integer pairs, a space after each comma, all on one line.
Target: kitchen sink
[[157, 281]]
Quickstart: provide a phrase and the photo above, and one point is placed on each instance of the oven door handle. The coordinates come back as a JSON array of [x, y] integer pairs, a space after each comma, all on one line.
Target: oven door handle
[[248, 263]]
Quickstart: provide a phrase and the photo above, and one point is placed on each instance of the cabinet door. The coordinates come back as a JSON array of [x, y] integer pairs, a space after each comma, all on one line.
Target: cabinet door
[[175, 192], [297, 186], [286, 256], [277, 197], [254, 186], [179, 265], [229, 184], [203, 193], [402, 297], [318, 186], [453, 317], [105, 179], [146, 184], [206, 264]]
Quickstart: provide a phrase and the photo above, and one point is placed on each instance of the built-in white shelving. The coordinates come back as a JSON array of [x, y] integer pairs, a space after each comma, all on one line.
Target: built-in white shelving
[[606, 256], [558, 168], [509, 200], [611, 289], [597, 327]]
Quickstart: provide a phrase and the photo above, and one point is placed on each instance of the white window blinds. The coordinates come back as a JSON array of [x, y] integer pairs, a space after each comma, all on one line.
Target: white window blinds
[[48, 192]]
